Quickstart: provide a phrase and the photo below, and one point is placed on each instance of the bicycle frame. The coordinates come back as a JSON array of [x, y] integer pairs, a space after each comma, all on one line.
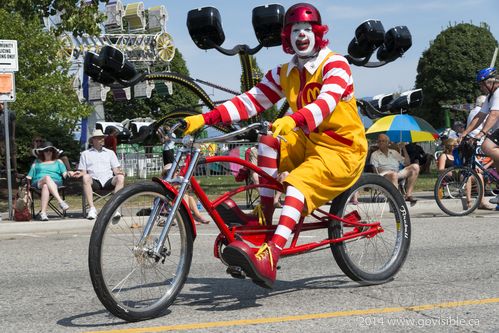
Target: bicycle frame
[[255, 234]]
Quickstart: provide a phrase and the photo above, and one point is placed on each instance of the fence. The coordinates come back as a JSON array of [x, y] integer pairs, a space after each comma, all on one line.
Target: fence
[[146, 162]]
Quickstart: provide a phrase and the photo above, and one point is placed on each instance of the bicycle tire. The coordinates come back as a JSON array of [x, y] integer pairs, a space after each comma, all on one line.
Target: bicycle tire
[[377, 200], [121, 270], [451, 187]]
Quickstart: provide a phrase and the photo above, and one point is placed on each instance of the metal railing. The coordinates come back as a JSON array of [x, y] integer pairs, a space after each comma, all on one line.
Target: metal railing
[[148, 162]]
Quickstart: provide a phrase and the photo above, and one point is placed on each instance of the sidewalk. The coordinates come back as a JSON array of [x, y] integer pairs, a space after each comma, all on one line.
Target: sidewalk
[[75, 222]]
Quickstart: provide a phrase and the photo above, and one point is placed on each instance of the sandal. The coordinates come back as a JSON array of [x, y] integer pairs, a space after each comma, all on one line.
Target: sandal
[[411, 200], [201, 221]]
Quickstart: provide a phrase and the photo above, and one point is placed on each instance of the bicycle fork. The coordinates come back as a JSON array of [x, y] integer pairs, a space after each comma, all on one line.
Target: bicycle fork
[[158, 206]]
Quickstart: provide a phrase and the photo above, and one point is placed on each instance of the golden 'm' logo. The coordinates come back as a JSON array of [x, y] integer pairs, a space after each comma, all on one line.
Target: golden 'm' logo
[[310, 92]]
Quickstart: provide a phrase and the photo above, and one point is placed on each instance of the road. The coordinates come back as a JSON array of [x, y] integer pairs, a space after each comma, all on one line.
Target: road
[[449, 283]]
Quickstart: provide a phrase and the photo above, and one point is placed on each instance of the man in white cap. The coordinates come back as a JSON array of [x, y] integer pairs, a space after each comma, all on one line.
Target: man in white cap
[[100, 169]]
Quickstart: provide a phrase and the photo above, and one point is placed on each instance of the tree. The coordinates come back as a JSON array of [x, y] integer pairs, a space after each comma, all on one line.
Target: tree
[[257, 75], [446, 70], [78, 16], [158, 105], [46, 102]]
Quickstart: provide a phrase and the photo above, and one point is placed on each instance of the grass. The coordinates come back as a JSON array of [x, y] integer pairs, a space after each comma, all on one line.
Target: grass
[[426, 182]]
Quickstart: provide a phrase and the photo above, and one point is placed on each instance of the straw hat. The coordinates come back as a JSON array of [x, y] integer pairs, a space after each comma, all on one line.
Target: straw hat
[[97, 133], [45, 146]]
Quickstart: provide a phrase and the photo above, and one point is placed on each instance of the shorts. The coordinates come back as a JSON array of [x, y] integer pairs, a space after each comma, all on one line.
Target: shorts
[[96, 185], [37, 186], [401, 174], [168, 156], [494, 137]]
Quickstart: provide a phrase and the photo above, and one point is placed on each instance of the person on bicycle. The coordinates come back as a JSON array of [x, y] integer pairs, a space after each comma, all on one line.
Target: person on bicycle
[[488, 80], [325, 146]]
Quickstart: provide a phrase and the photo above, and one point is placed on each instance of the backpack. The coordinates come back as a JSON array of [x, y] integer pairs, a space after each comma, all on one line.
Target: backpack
[[22, 204]]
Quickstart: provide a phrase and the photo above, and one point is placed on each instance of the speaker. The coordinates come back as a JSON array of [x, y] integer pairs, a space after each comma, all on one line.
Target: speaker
[[205, 25], [267, 22], [369, 35], [397, 41], [92, 68]]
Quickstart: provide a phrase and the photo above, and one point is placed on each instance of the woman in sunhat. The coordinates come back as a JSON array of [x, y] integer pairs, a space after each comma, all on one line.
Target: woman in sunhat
[[47, 174]]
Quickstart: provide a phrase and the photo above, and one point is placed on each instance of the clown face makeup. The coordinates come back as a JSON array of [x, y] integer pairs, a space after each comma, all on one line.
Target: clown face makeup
[[303, 39]]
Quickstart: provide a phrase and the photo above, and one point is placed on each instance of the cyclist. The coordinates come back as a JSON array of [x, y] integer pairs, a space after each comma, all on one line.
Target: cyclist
[[488, 80], [325, 147]]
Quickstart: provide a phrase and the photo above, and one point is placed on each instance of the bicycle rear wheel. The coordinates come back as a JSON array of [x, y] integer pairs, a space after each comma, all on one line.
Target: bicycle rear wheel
[[458, 191], [372, 260], [129, 281]]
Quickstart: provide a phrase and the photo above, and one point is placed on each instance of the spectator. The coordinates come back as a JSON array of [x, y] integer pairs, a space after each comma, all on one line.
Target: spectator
[[168, 144], [252, 156], [39, 141], [190, 198], [393, 166], [456, 130], [46, 174], [12, 139], [478, 105], [111, 140], [419, 156], [446, 159], [100, 169]]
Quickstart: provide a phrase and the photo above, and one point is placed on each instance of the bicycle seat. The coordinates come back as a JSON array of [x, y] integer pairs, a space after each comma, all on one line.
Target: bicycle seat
[[233, 216]]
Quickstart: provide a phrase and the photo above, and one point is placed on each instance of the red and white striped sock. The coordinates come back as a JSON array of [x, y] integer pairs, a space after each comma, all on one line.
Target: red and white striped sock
[[268, 154], [291, 212]]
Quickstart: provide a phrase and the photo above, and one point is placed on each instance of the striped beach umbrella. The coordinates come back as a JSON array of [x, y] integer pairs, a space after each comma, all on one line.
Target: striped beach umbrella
[[403, 128]]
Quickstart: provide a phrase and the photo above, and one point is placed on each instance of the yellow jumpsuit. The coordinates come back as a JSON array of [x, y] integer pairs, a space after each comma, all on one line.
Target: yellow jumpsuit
[[329, 160]]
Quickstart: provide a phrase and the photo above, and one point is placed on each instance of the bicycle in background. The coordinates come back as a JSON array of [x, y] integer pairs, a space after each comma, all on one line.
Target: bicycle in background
[[459, 189]]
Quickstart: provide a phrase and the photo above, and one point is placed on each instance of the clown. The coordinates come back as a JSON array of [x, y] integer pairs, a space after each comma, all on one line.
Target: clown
[[325, 147]]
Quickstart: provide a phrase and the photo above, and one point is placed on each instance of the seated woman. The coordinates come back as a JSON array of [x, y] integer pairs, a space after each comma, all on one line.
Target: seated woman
[[46, 174], [446, 160]]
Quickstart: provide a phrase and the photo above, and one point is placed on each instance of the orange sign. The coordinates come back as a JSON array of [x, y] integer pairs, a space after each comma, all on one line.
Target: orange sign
[[7, 87], [6, 83]]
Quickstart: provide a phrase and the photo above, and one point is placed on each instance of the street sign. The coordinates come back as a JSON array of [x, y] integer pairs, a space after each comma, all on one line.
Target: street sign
[[8, 56], [7, 87]]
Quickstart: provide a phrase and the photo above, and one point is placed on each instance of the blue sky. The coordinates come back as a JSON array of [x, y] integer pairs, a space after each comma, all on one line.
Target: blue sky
[[425, 19]]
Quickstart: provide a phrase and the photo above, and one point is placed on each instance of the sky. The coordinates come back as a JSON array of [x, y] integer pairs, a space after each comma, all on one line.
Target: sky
[[424, 18]]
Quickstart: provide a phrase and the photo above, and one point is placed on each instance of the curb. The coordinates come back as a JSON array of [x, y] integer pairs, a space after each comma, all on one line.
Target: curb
[[67, 225]]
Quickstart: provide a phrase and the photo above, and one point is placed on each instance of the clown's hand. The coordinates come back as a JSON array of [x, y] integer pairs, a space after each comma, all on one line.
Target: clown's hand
[[193, 123], [283, 126]]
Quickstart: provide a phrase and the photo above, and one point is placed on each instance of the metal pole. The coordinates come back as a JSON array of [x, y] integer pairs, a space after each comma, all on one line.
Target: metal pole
[[7, 158], [494, 57]]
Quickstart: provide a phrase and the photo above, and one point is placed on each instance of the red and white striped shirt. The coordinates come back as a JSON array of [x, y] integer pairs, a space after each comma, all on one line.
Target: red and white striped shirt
[[335, 81]]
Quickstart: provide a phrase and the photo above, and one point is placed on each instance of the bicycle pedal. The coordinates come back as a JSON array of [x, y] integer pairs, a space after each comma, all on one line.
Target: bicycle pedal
[[236, 272]]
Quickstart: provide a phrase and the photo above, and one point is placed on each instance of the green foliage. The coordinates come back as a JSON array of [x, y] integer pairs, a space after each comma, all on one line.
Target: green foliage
[[45, 103], [446, 71], [156, 106], [77, 15]]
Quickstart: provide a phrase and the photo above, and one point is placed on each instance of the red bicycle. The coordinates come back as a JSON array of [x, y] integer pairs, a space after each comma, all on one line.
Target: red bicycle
[[139, 259]]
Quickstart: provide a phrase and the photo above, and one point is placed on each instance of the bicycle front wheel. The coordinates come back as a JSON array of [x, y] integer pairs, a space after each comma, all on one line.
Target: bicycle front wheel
[[129, 280], [458, 191], [376, 259]]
